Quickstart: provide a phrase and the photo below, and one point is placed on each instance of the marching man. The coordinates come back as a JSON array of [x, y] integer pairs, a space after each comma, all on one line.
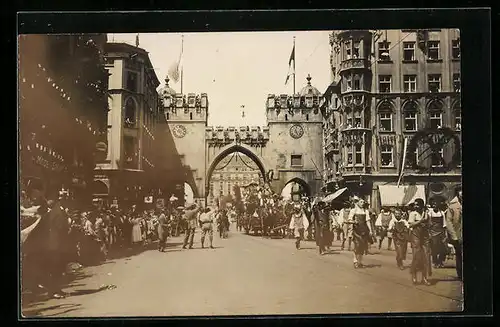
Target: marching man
[[298, 223]]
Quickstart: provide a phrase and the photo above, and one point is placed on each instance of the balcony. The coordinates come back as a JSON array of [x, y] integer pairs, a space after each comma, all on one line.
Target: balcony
[[355, 63]]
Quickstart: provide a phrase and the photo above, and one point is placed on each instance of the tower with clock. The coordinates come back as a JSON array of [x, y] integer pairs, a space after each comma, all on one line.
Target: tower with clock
[[186, 116], [295, 148]]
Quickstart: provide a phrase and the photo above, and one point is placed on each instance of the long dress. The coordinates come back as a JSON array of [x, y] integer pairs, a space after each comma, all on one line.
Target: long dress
[[419, 238], [360, 231], [136, 231]]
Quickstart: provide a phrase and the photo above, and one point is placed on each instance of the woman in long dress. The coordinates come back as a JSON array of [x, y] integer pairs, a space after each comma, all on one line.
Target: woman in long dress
[[419, 238], [136, 231], [359, 217], [437, 233]]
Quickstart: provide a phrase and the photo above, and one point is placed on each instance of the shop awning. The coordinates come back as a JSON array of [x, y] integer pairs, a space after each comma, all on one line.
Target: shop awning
[[392, 195], [333, 196]]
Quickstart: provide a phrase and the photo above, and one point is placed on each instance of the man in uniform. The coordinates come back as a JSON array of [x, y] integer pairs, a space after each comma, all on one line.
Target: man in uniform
[[206, 224], [190, 215]]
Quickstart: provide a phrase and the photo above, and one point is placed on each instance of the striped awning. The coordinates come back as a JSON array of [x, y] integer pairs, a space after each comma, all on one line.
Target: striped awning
[[392, 195]]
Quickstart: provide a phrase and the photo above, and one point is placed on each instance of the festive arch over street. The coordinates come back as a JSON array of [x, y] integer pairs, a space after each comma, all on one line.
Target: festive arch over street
[[234, 148]]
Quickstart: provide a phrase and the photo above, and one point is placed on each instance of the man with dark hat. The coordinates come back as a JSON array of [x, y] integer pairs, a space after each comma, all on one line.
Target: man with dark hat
[[190, 215], [322, 227]]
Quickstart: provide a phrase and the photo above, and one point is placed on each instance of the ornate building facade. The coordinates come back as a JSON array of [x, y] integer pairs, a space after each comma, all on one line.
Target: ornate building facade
[[394, 109], [234, 170], [62, 112], [128, 173]]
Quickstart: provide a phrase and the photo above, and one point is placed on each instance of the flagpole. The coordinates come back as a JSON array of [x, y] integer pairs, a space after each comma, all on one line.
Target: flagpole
[[182, 53], [294, 66], [405, 148]]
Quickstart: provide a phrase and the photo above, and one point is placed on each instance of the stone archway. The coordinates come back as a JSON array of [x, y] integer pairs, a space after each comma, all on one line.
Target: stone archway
[[304, 187], [227, 151]]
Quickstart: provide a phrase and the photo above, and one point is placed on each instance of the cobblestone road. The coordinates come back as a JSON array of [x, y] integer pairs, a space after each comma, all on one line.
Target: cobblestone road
[[248, 275]]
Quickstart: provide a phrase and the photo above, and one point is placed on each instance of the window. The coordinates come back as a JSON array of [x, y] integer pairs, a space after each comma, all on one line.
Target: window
[[457, 111], [409, 51], [437, 158], [130, 152], [433, 50], [349, 155], [357, 82], [359, 154], [383, 51], [386, 156], [357, 122], [410, 83], [211, 188], [436, 120], [356, 54], [349, 122], [348, 49], [296, 160], [228, 187], [456, 82], [434, 83], [411, 158], [349, 83], [384, 83], [455, 49], [132, 81], [130, 113], [386, 122], [410, 110]]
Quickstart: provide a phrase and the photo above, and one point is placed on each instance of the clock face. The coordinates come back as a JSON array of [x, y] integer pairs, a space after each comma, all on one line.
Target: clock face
[[296, 131], [179, 131]]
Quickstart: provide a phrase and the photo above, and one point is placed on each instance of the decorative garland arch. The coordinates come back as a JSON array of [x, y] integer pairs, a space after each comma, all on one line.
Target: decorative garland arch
[[435, 139]]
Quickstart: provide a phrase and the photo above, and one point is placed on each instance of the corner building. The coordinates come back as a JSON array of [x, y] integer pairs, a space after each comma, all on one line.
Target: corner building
[[127, 174], [388, 86]]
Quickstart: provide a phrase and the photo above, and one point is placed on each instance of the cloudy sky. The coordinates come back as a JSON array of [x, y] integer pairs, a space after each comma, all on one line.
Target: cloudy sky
[[238, 68]]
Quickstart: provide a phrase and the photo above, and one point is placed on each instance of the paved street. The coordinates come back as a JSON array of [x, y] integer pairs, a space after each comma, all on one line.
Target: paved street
[[248, 275]]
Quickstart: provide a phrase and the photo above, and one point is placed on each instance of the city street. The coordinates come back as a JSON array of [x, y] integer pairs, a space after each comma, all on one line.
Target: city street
[[249, 275]]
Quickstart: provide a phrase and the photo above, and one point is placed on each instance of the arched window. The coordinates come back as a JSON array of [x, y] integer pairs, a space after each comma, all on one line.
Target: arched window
[[435, 109], [357, 82], [130, 113], [410, 114], [457, 113], [385, 110]]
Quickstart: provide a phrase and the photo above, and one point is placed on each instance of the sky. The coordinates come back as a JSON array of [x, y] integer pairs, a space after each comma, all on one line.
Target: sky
[[238, 68]]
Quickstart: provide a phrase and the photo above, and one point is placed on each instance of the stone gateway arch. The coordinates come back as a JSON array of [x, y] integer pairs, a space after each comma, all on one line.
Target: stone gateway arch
[[289, 147]]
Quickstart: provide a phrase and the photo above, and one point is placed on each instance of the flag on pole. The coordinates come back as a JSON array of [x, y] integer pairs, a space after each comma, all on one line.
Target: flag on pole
[[291, 67], [403, 161], [176, 68]]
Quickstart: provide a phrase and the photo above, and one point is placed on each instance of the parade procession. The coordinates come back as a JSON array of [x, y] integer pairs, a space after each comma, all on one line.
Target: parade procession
[[135, 201]]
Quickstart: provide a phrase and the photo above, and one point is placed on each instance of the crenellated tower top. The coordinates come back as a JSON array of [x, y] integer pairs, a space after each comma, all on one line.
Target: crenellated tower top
[[302, 106], [181, 107]]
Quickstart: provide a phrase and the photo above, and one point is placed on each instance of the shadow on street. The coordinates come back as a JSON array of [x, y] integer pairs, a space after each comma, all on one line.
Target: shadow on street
[[31, 313]]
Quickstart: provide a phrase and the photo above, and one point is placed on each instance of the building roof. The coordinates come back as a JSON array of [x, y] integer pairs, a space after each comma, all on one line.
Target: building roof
[[127, 49], [167, 89], [309, 89]]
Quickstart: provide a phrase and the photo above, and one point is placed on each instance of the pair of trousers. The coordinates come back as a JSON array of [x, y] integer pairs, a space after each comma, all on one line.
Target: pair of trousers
[[458, 257], [189, 237]]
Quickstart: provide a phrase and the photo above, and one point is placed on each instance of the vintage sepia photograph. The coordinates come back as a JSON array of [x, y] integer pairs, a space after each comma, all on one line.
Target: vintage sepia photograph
[[240, 173]]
